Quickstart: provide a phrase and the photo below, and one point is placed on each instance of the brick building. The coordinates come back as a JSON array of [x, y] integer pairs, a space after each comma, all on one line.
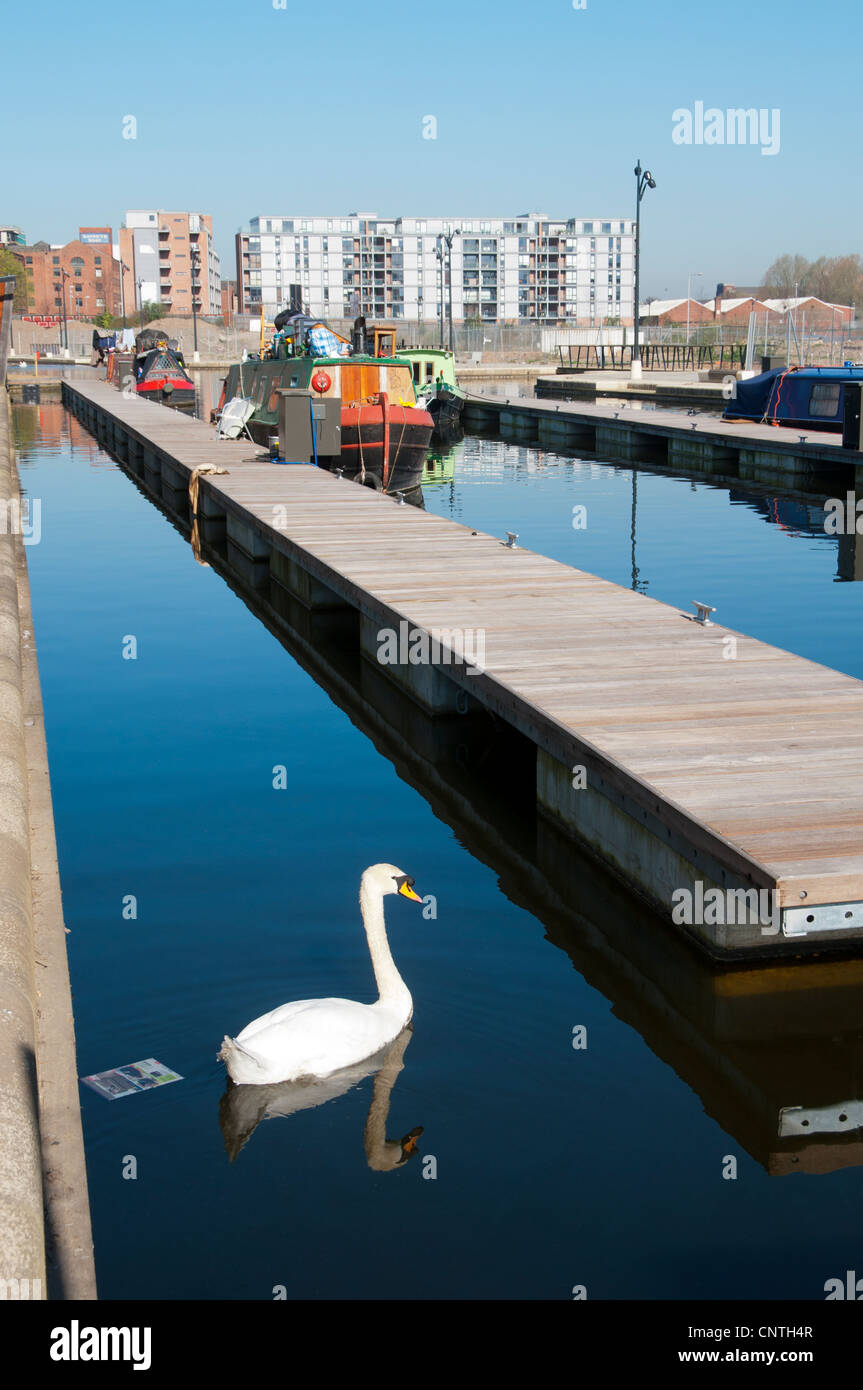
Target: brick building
[[81, 276], [674, 311], [229, 300], [737, 310], [815, 313], [169, 258]]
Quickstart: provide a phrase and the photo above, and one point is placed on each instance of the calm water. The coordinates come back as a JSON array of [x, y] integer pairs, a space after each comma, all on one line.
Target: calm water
[[554, 1166]]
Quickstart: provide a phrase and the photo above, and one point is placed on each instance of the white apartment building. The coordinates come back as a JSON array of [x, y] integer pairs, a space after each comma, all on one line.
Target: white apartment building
[[529, 268]]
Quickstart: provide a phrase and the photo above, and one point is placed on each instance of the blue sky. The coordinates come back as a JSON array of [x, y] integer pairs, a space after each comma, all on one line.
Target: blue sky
[[318, 108]]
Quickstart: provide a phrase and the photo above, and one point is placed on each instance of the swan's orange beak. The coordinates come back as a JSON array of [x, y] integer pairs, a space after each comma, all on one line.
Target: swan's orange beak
[[407, 892], [409, 1143]]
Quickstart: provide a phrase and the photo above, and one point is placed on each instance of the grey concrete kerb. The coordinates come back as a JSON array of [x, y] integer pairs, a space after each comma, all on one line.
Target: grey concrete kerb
[[45, 1235], [22, 1252]]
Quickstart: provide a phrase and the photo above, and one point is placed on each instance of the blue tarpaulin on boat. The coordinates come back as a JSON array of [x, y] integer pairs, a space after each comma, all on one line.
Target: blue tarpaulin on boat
[[324, 343]]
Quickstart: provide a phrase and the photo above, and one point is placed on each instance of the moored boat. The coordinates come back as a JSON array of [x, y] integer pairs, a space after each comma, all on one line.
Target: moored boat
[[385, 433], [794, 396], [158, 371], [433, 371]]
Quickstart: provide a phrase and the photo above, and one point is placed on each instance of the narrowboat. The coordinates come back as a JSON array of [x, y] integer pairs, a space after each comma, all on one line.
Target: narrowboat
[[158, 371], [385, 433], [437, 389], [795, 396]]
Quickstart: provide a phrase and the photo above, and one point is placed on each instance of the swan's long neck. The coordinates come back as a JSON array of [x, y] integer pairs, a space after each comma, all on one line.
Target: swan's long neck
[[381, 1155], [391, 987]]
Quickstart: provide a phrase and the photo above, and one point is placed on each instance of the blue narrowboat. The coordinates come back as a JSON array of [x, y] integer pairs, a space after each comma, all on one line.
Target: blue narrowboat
[[811, 396]]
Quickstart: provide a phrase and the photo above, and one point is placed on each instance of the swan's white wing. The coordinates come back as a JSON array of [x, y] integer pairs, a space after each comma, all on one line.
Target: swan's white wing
[[315, 1037], [283, 1014]]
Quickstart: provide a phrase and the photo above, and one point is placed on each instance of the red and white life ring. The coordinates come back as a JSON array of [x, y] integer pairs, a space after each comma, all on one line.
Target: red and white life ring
[[321, 382]]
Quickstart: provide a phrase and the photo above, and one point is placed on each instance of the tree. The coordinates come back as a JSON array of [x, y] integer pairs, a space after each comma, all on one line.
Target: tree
[[786, 277], [104, 320], [11, 264], [835, 279], [844, 282]]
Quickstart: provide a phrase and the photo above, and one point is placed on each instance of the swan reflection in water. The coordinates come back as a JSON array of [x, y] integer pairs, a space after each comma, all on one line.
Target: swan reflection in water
[[242, 1108]]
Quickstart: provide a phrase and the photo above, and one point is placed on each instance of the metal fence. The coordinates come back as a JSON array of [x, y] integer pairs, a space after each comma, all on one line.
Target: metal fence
[[654, 357], [57, 349]]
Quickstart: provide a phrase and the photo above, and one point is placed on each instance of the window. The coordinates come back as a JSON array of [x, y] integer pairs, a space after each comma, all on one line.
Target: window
[[29, 260], [55, 260], [824, 399], [97, 260]]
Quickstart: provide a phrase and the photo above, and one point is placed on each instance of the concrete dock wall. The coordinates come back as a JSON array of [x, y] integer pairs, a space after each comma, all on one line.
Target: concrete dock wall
[[707, 446], [21, 1215], [39, 1110]]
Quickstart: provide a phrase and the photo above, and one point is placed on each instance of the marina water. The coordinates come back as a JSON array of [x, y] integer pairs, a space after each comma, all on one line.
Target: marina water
[[555, 1165]]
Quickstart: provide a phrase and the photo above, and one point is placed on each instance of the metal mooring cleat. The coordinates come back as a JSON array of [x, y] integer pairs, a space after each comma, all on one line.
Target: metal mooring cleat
[[702, 615]]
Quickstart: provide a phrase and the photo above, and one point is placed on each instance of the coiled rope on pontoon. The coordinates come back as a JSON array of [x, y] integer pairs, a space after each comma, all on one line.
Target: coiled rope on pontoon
[[194, 487]]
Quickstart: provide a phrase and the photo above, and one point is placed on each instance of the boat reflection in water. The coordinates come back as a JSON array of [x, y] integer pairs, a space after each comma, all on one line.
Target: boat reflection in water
[[801, 517], [440, 464], [774, 1051], [242, 1108]]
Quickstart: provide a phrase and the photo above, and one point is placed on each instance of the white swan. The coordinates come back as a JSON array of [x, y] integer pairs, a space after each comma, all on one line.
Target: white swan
[[316, 1037]]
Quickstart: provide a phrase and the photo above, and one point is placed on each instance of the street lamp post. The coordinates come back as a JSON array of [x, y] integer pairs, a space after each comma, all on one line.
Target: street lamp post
[[448, 238], [439, 253], [643, 180], [123, 271], [64, 318], [141, 300]]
